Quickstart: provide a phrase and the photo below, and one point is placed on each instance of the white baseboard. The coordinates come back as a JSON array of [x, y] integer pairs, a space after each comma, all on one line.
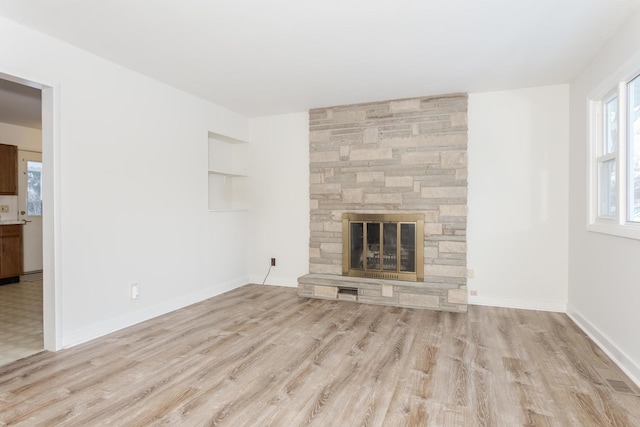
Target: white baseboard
[[616, 354], [290, 282], [526, 304], [103, 328]]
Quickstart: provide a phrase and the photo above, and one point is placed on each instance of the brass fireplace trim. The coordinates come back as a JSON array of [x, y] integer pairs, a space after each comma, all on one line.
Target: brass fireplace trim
[[417, 219]]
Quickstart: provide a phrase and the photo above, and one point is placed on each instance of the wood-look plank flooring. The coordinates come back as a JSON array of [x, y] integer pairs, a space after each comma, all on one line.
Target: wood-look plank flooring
[[262, 356]]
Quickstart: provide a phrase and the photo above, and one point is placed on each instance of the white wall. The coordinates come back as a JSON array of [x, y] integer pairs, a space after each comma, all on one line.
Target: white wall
[[518, 152], [25, 138], [604, 271], [279, 210], [131, 189], [518, 189]]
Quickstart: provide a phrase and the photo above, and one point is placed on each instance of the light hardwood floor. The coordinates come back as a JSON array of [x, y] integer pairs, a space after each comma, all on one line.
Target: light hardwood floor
[[260, 355]]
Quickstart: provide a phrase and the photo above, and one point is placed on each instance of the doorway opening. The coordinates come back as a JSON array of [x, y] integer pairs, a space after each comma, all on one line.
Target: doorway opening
[[26, 121]]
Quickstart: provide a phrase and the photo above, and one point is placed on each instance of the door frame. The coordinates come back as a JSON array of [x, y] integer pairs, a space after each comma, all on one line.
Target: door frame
[[51, 199]]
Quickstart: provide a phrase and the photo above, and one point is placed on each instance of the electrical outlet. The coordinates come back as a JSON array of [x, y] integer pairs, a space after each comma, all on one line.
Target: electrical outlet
[[473, 293], [273, 262], [4, 208], [135, 291]]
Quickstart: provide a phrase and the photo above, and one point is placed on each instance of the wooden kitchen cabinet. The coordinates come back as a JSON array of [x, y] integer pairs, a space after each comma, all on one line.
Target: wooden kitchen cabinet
[[8, 170], [10, 253]]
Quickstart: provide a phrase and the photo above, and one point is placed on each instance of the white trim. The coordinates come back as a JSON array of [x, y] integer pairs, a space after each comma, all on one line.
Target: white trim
[[275, 280], [52, 219], [628, 196], [621, 171], [525, 304], [108, 326], [630, 230], [616, 354], [51, 226], [594, 111]]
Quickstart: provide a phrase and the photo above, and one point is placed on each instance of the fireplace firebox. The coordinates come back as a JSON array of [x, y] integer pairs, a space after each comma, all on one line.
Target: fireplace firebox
[[383, 246]]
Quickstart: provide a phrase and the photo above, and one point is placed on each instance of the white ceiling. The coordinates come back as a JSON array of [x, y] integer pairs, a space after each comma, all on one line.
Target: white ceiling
[[261, 57], [20, 105]]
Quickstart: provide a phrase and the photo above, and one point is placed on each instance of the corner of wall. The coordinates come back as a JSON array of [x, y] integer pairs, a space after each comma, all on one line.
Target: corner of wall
[[620, 358]]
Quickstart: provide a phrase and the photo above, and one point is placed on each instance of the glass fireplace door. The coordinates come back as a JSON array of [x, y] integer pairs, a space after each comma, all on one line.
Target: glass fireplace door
[[390, 246], [379, 247]]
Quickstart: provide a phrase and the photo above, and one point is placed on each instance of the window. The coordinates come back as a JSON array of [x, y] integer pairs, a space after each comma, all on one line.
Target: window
[[607, 160], [615, 160], [34, 188], [633, 135]]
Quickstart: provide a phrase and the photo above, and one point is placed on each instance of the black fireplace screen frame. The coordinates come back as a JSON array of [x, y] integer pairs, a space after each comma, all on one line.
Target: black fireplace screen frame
[[381, 248]]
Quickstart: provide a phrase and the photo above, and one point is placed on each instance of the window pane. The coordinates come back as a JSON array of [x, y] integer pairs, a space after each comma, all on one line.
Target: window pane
[[407, 247], [373, 246], [633, 184], [390, 246], [611, 126], [607, 188], [34, 188], [357, 244]]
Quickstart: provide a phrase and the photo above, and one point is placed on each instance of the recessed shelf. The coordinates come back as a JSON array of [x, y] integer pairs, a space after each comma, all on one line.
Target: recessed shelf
[[227, 159], [225, 138]]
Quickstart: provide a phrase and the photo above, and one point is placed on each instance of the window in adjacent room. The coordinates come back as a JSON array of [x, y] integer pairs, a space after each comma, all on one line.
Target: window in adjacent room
[[34, 188]]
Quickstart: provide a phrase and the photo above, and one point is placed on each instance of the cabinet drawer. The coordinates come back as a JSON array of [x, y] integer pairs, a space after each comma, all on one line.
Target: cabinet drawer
[[10, 230]]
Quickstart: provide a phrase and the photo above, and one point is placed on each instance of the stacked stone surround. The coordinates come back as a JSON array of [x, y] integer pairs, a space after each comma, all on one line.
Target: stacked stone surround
[[401, 156]]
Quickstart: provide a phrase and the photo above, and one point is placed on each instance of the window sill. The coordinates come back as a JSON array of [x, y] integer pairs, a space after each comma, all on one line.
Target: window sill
[[626, 231]]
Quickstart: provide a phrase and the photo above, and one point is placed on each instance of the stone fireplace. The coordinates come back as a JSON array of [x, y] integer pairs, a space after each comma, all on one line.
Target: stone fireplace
[[405, 160]]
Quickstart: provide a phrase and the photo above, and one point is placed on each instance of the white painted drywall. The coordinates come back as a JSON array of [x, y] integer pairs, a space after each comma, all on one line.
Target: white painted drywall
[[279, 197], [522, 135], [131, 189], [518, 188], [604, 270], [25, 138]]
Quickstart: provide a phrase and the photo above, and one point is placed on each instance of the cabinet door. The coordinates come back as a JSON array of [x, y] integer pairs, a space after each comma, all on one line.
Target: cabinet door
[[10, 250], [8, 170]]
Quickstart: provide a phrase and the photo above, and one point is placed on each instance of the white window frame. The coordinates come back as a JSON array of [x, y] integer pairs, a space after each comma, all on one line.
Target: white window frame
[[614, 86]]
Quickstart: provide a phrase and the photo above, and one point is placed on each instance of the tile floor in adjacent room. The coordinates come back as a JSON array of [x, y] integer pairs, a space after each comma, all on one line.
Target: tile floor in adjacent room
[[21, 319]]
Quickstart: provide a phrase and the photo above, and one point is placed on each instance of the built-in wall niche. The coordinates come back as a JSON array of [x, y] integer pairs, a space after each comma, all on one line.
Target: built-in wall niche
[[228, 179]]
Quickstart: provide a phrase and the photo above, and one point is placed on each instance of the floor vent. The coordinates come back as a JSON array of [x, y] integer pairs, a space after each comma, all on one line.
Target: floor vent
[[617, 382], [349, 294]]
